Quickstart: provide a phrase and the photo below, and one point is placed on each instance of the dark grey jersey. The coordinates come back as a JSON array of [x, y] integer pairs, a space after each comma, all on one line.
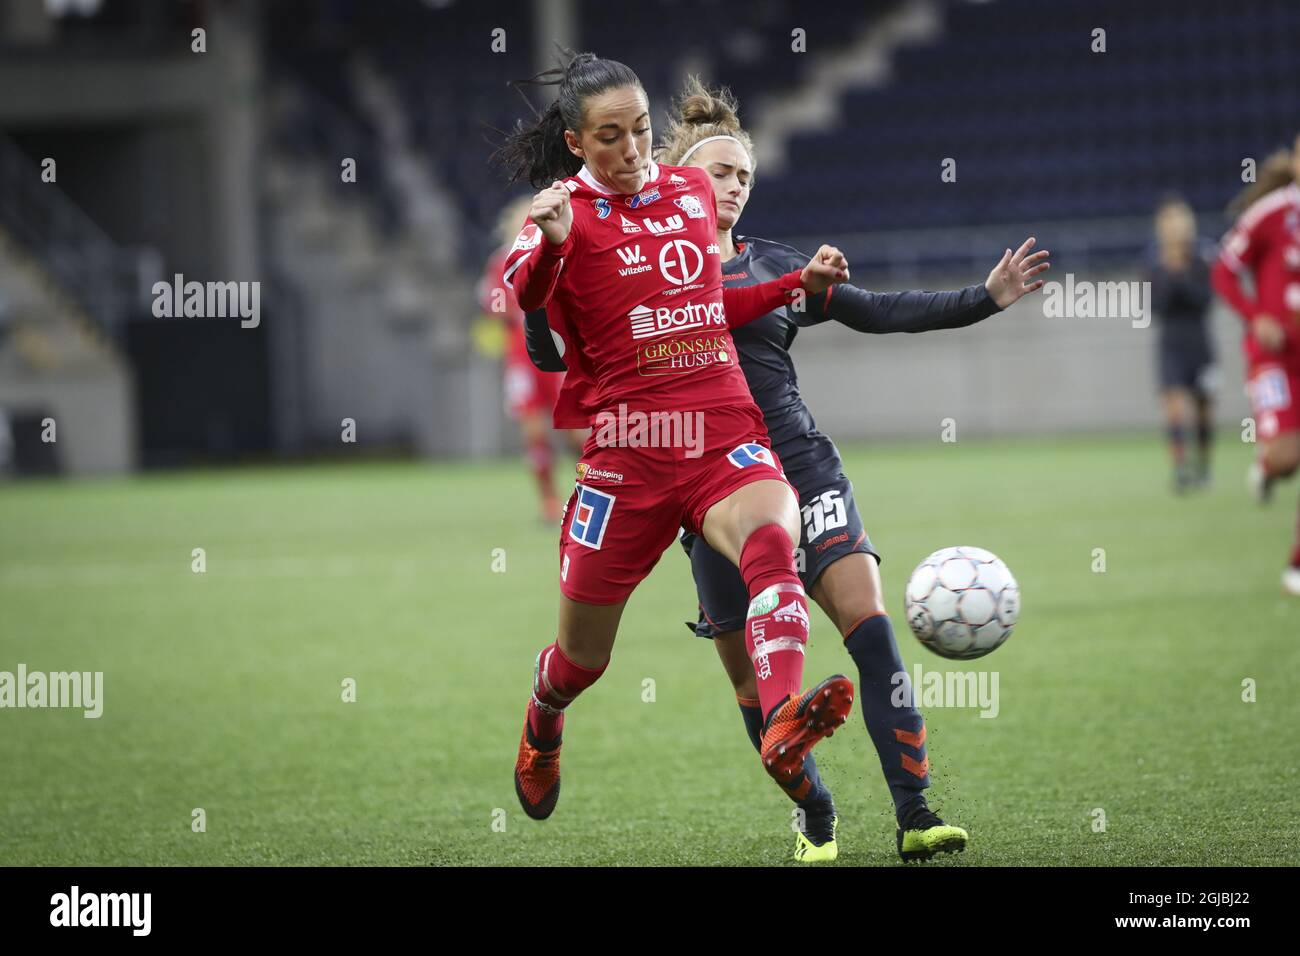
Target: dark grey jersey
[[764, 344]]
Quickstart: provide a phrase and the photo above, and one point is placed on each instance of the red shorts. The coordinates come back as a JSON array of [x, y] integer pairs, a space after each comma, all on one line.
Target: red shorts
[[529, 390], [1274, 391], [634, 494]]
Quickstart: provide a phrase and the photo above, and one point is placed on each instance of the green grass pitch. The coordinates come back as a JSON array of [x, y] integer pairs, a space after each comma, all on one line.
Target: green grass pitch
[[1120, 691]]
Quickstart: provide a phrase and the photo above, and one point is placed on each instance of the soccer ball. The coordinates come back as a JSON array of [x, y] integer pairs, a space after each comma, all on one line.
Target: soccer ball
[[962, 602]]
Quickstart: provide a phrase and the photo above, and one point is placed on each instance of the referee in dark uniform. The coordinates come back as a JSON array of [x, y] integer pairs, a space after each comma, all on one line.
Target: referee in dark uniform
[[1180, 297]]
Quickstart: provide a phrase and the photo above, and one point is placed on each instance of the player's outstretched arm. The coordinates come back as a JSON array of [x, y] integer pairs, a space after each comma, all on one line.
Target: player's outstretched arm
[[921, 311], [880, 313], [745, 304]]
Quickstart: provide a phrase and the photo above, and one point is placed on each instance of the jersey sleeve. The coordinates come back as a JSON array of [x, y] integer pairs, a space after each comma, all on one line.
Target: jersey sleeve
[[744, 304], [1239, 255], [1240, 252], [533, 265], [912, 311]]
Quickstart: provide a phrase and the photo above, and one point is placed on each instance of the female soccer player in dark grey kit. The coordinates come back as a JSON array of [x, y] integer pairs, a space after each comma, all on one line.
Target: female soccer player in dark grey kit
[[839, 564]]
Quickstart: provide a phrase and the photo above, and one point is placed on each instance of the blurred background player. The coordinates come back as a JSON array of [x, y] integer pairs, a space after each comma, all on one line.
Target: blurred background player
[[840, 566], [530, 393], [1181, 297], [1264, 248]]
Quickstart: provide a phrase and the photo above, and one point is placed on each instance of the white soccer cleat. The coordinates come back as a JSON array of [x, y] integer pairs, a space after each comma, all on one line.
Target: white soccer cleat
[[1291, 581], [1258, 483]]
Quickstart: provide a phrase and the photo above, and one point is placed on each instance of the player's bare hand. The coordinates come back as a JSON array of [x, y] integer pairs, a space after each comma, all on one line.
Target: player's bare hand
[[825, 269], [1268, 333], [552, 213], [1013, 276]]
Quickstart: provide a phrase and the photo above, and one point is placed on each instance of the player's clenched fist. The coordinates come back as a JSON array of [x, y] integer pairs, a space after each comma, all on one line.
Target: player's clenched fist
[[824, 270], [552, 213]]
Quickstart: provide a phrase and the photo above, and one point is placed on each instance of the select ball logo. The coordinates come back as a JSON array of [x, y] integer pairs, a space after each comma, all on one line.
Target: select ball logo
[[962, 603]]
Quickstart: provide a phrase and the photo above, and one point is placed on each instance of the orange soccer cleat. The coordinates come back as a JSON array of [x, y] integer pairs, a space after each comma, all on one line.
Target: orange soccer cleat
[[537, 775], [796, 726]]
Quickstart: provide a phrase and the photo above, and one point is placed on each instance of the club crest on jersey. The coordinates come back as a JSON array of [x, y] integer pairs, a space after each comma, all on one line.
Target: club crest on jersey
[[590, 516], [602, 207], [643, 199], [691, 205], [742, 456]]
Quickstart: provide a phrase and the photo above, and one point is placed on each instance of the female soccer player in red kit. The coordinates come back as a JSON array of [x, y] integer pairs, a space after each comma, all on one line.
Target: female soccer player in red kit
[[623, 253], [530, 393], [1265, 244]]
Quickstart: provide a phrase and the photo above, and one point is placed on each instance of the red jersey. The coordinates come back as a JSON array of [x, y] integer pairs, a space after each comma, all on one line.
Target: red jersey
[[494, 296], [1265, 242], [635, 295]]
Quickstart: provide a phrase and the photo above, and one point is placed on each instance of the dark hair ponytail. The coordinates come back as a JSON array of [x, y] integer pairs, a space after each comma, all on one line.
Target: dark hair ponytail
[[537, 152]]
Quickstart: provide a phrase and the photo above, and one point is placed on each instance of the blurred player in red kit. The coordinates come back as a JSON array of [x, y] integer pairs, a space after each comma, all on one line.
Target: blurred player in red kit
[[621, 252], [1264, 246], [530, 393]]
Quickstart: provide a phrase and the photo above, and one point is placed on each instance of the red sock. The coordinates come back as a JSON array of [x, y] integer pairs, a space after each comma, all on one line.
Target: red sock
[[556, 681], [540, 460], [776, 628]]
